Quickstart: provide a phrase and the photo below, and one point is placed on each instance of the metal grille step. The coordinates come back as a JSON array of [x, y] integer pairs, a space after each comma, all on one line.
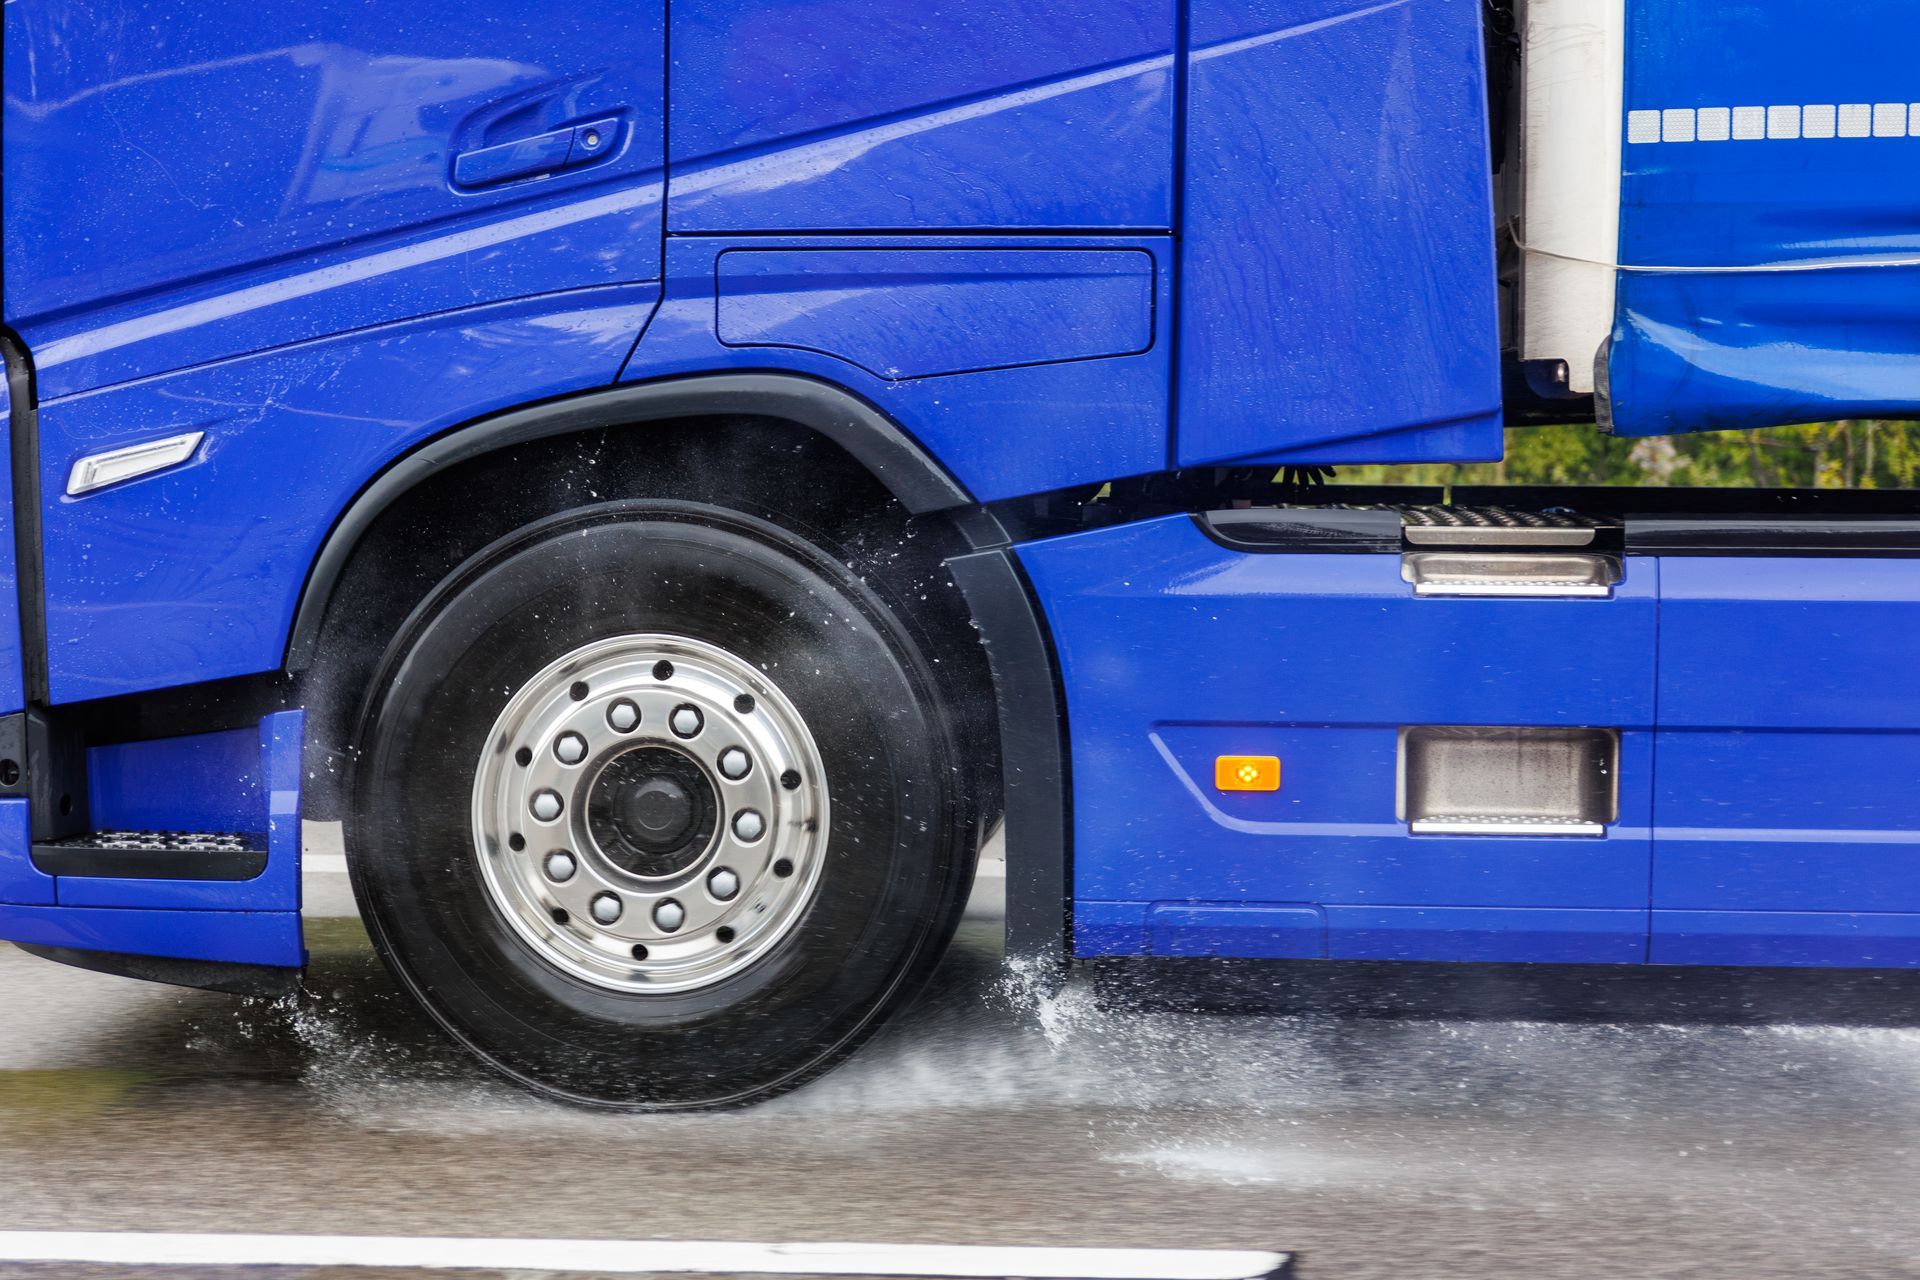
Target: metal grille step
[[154, 855]]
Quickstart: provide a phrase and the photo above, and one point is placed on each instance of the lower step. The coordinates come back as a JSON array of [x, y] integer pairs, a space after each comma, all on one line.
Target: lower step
[[154, 855]]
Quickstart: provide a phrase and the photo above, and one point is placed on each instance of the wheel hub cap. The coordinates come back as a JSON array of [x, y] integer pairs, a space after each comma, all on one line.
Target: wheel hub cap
[[650, 813]]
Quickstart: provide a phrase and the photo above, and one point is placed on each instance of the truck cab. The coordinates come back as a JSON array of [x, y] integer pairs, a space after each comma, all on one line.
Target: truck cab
[[669, 481]]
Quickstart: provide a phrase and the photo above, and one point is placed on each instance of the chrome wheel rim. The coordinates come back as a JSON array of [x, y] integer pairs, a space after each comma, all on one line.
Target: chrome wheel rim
[[650, 814]]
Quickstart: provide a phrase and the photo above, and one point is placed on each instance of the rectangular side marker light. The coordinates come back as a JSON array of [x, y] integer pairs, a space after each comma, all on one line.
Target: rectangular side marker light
[[1247, 773]]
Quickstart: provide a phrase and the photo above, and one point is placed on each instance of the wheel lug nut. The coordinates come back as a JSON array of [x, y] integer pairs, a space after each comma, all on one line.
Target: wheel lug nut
[[546, 805], [570, 748], [623, 716], [607, 908], [686, 721], [669, 915], [560, 866], [723, 883], [734, 763], [749, 825]]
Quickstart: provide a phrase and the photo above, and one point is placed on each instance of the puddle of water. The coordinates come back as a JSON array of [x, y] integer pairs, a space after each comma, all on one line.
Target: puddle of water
[[34, 1104]]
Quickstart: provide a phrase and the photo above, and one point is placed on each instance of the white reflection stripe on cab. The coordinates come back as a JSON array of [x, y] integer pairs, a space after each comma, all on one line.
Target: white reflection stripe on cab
[[638, 1257]]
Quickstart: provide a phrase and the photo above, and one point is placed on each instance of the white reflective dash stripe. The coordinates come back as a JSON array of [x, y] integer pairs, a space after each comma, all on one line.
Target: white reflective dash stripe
[[1782, 122], [636, 1257]]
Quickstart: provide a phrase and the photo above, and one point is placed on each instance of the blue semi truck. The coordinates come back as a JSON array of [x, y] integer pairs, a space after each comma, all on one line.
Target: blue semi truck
[[669, 476]]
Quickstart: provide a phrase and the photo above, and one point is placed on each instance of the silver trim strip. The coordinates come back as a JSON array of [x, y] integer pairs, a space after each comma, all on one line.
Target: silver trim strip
[[1506, 827], [1453, 535], [1543, 574], [98, 470], [636, 1257]]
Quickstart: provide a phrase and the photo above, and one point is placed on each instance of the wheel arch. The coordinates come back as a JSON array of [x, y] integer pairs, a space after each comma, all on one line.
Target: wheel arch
[[869, 436], [1029, 708]]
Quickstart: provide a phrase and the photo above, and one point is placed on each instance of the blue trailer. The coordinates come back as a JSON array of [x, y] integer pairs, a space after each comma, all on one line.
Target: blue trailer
[[669, 477]]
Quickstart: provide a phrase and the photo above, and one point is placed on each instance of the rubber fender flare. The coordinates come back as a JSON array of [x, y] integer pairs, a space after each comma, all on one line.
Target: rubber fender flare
[[872, 438]]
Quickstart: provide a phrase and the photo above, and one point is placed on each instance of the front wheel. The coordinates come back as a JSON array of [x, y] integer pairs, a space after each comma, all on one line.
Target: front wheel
[[658, 806]]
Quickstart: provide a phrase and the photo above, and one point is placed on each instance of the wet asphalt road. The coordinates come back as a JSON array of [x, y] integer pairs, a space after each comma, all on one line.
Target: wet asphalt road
[[1569, 1126]]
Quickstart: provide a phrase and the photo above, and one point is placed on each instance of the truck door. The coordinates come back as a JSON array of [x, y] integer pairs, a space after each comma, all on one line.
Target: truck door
[[461, 198], [179, 191]]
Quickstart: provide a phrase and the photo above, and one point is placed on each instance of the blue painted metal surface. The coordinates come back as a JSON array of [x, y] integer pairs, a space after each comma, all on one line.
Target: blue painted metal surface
[[194, 574], [1802, 146], [1174, 650], [1001, 432], [185, 188], [872, 115], [206, 782], [1789, 741], [1337, 239], [1717, 352], [1535, 935], [1822, 939], [1264, 931], [917, 313], [244, 780], [232, 937], [20, 881]]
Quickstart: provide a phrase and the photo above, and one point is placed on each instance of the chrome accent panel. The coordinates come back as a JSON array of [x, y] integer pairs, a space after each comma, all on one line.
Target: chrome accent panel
[[1546, 575], [98, 470], [1430, 526], [1508, 780]]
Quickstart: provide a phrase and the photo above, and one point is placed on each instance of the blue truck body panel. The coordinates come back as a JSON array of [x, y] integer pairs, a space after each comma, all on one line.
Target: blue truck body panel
[[906, 313], [1789, 738], [1789, 137], [194, 574], [1057, 417], [1769, 729], [1057, 249], [243, 781], [1175, 649], [269, 938], [21, 883], [869, 115], [240, 780], [1334, 167], [259, 176]]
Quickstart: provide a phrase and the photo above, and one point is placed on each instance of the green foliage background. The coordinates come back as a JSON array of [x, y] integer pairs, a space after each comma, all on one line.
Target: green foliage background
[[1858, 454]]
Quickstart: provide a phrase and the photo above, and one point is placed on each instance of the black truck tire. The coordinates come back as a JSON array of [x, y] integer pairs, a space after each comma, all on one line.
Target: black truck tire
[[657, 805]]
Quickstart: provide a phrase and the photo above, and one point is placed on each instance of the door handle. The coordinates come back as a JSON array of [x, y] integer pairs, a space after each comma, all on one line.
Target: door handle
[[542, 153]]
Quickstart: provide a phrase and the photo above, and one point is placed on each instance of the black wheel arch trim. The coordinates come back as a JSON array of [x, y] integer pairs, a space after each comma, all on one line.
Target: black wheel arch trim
[[873, 439], [1036, 795], [269, 982]]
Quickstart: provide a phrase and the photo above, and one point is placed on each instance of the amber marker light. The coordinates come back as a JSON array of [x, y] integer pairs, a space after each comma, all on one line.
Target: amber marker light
[[1247, 773]]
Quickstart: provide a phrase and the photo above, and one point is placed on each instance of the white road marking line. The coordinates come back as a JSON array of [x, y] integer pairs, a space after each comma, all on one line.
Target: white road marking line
[[326, 864], [637, 1257]]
